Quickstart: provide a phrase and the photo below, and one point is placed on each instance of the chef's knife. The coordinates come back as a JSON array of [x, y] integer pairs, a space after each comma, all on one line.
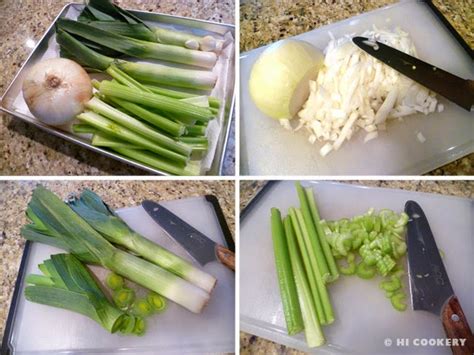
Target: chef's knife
[[430, 287], [198, 245], [456, 89]]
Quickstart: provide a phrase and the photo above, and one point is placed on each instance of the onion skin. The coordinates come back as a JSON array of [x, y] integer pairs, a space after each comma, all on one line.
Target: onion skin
[[56, 90]]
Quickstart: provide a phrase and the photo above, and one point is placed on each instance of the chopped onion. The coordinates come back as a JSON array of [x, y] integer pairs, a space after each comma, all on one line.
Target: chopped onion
[[356, 91], [56, 90]]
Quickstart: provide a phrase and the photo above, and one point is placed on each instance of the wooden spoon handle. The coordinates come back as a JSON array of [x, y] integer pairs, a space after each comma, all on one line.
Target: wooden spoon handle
[[226, 257], [457, 328]]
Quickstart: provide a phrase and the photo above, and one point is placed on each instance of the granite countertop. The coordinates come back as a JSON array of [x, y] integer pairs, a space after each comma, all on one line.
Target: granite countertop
[[266, 21], [251, 344], [16, 194], [27, 150]]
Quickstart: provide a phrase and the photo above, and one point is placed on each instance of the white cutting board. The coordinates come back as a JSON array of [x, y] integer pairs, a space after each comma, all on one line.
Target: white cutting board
[[42, 329], [268, 149], [364, 317]]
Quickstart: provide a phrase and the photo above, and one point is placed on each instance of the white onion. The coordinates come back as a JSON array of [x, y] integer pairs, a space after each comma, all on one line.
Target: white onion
[[56, 90], [279, 79]]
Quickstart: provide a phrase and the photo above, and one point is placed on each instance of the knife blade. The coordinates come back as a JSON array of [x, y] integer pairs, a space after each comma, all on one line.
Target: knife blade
[[456, 89], [198, 245], [430, 287]]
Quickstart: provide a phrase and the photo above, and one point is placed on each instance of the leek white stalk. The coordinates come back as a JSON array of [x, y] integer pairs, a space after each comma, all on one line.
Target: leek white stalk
[[56, 90]]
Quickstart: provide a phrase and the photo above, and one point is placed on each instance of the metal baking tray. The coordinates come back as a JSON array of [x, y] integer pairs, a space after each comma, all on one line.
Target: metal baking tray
[[9, 101]]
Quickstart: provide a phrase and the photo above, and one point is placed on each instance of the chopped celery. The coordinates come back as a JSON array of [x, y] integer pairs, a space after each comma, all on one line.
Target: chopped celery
[[365, 271], [398, 301]]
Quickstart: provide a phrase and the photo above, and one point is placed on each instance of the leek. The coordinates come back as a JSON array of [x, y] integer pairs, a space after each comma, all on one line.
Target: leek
[[72, 287], [124, 298], [81, 239], [157, 302], [165, 75], [133, 124], [114, 281], [141, 308], [95, 212], [151, 73], [137, 30], [110, 128], [138, 48]]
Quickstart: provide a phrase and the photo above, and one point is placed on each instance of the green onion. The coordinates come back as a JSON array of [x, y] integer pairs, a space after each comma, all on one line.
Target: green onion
[[82, 240], [315, 249], [138, 48], [157, 302], [73, 288], [94, 211], [329, 258], [157, 101], [133, 124], [123, 298], [114, 281], [110, 128], [286, 280], [312, 328]]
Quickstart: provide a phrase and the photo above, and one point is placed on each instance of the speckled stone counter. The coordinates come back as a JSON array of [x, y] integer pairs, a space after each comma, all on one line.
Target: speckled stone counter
[[25, 149], [16, 194], [251, 344], [266, 21]]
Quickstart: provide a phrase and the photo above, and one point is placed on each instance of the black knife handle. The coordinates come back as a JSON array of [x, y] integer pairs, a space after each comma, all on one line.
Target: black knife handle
[[225, 256], [457, 328]]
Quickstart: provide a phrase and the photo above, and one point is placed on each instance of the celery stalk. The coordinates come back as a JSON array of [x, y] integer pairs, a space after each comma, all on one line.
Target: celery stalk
[[105, 125], [133, 124], [157, 101], [309, 267], [286, 280], [213, 101], [312, 327], [191, 169], [321, 235]]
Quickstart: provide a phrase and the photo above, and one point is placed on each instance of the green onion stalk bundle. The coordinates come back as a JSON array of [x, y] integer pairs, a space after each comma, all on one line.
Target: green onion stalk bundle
[[95, 212], [56, 224]]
